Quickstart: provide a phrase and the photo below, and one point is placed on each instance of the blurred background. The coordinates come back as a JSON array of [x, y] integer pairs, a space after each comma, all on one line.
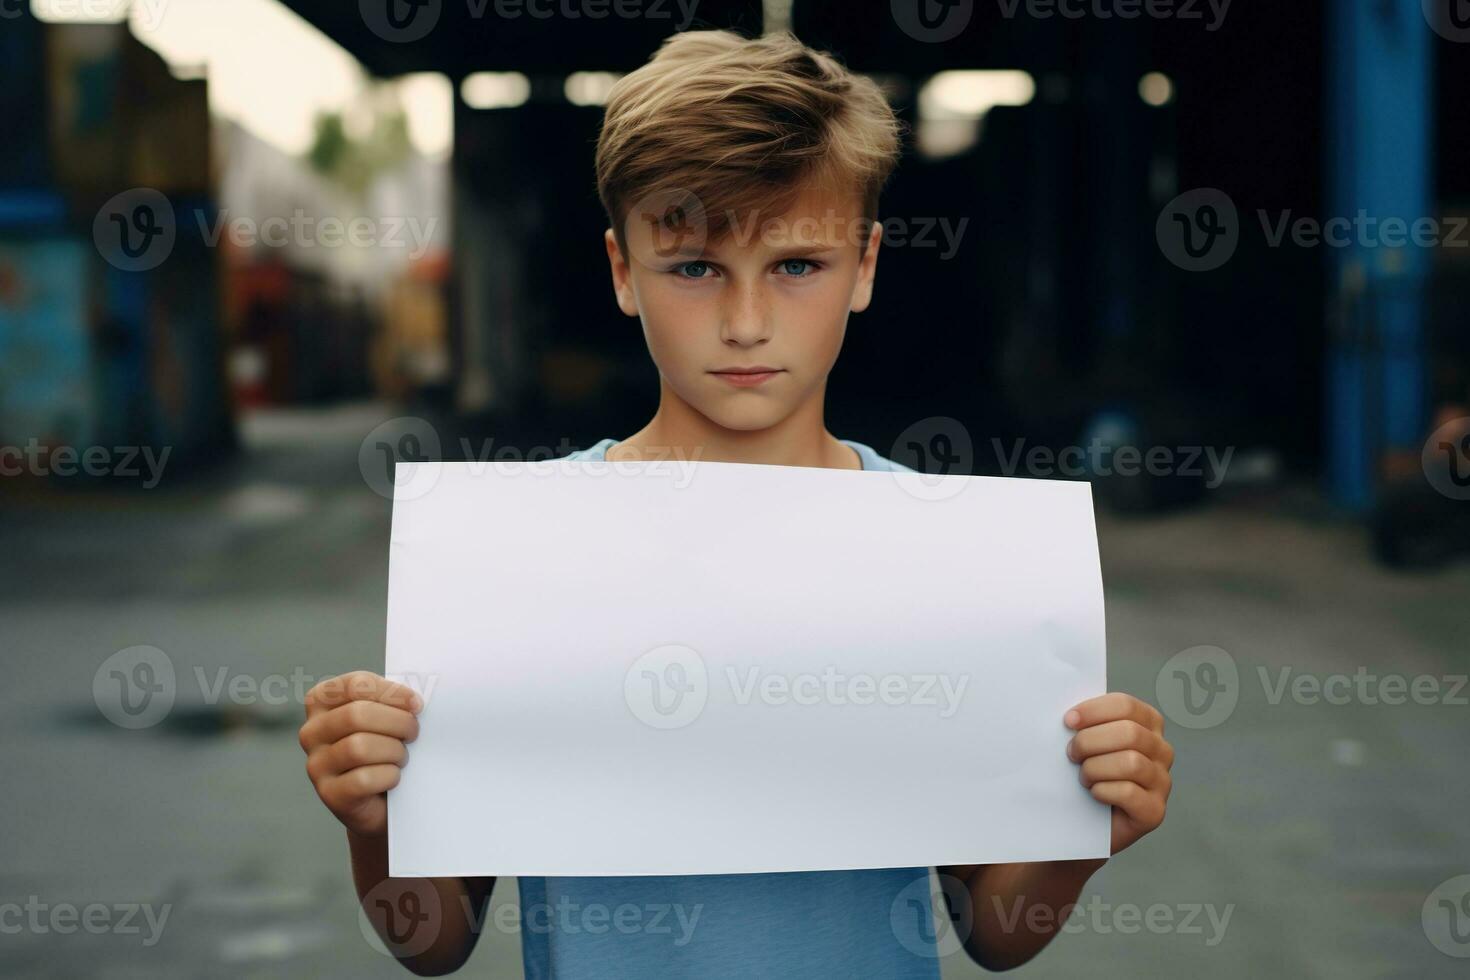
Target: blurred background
[[1212, 257]]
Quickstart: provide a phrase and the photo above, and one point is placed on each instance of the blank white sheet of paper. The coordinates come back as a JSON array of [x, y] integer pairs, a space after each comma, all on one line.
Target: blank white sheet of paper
[[709, 668]]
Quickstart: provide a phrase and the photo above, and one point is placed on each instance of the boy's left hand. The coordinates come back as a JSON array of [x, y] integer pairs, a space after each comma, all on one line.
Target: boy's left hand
[[1125, 761]]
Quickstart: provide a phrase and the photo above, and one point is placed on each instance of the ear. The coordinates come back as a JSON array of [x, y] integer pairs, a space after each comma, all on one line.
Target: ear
[[862, 290], [622, 275]]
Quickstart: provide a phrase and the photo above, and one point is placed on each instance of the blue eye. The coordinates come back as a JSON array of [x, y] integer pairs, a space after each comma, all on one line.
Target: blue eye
[[684, 267], [806, 262]]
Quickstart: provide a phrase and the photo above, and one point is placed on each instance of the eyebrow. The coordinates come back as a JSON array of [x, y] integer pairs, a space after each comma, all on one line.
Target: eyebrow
[[814, 248], [798, 250]]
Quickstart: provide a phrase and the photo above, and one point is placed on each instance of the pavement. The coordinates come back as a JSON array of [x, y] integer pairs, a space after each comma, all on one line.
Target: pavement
[[1316, 829]]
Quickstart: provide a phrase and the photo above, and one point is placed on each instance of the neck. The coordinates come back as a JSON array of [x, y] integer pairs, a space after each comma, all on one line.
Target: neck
[[677, 428]]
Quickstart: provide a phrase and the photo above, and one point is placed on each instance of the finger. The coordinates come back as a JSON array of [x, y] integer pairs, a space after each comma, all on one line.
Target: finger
[[357, 749], [1115, 706], [358, 716], [1115, 736], [1129, 765], [1141, 806], [361, 685], [356, 785]]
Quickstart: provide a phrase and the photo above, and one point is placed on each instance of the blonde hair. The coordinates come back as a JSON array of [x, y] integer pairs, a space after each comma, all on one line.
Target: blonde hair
[[746, 126]]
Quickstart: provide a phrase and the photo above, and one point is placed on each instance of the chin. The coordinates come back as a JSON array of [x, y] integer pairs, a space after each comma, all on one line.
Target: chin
[[744, 418], [747, 421]]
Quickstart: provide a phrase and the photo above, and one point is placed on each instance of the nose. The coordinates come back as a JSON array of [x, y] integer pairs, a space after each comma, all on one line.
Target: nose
[[746, 321]]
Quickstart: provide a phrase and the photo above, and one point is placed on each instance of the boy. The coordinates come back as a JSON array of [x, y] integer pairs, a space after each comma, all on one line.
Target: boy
[[744, 317]]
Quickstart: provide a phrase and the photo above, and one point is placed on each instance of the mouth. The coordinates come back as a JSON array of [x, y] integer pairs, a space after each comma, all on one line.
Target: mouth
[[747, 377]]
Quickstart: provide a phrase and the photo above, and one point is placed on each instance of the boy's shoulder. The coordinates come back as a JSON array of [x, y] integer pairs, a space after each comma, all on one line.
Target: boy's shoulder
[[871, 458]]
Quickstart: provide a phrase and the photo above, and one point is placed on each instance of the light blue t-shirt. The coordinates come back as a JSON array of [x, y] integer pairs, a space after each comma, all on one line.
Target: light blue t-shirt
[[810, 925]]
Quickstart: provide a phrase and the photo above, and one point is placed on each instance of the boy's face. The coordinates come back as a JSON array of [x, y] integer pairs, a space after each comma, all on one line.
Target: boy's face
[[773, 294]]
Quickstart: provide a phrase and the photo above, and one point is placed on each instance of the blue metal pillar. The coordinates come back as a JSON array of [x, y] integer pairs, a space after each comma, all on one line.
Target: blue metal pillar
[[1379, 56]]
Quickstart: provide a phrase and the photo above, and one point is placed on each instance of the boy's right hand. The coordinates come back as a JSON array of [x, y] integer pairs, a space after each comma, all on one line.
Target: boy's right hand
[[354, 734]]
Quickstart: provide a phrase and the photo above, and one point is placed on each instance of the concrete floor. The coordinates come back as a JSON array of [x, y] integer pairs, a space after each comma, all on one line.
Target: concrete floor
[[1321, 830]]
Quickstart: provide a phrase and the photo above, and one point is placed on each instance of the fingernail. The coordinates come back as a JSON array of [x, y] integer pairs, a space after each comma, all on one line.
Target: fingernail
[[1071, 718], [416, 704]]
